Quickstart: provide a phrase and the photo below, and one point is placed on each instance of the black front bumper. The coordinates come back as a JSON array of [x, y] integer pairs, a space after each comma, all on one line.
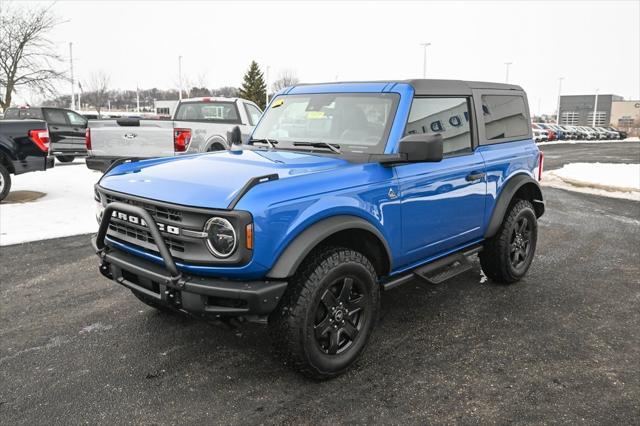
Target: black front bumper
[[167, 285]]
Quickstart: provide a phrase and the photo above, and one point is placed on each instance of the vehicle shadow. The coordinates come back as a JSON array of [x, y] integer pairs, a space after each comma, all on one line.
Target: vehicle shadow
[[416, 312]]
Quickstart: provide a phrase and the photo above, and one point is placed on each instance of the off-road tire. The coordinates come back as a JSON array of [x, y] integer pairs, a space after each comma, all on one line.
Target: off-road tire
[[497, 256], [5, 182], [65, 158], [293, 325], [153, 303]]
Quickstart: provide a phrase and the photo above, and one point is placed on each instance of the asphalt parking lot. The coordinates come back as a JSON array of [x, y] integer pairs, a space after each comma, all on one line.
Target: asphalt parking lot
[[557, 155], [561, 346]]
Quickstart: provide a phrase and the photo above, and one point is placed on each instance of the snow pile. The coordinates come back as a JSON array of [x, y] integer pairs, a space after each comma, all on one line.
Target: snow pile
[[613, 180], [67, 208], [573, 142]]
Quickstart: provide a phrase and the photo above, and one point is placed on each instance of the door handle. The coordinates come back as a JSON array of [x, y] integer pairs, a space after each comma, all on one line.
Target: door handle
[[475, 176]]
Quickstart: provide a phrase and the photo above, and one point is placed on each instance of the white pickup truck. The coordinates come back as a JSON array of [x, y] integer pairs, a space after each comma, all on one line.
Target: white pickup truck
[[198, 125]]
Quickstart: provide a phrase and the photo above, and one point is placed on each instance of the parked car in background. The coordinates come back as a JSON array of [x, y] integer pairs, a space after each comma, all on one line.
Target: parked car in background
[[540, 135], [551, 134], [24, 147], [589, 133], [621, 134], [601, 134], [571, 134], [560, 132], [67, 129], [198, 125], [578, 133], [611, 134]]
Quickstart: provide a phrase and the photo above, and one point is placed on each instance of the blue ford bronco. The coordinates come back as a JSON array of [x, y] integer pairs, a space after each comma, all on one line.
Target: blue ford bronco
[[344, 190]]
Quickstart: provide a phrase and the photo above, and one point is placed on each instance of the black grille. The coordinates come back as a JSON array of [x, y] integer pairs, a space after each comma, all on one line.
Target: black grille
[[156, 211], [145, 236]]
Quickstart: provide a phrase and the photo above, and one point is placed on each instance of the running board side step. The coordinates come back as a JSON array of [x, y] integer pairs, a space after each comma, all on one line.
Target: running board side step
[[437, 271]]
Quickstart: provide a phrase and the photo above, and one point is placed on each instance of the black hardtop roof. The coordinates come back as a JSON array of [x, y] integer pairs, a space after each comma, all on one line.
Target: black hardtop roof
[[435, 86], [428, 86]]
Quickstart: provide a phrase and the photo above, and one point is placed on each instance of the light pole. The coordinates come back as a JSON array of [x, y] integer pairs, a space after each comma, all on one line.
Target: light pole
[[180, 76], [424, 59], [507, 64], [595, 108], [73, 91], [266, 92], [559, 91], [80, 96]]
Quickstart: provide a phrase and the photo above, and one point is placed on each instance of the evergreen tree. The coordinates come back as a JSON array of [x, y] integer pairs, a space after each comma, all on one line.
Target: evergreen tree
[[253, 87]]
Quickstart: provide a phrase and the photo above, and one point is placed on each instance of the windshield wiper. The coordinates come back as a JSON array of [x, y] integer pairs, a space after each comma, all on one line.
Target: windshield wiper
[[271, 142], [333, 147]]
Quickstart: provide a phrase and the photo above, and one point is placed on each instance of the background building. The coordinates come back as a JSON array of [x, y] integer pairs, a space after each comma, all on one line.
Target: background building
[[577, 110], [625, 114], [165, 108]]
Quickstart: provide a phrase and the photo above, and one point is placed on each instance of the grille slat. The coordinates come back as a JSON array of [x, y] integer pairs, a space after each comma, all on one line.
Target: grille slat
[[145, 236], [156, 211]]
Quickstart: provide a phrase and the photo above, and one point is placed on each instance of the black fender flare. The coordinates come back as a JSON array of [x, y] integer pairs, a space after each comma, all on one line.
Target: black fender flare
[[297, 250], [506, 195]]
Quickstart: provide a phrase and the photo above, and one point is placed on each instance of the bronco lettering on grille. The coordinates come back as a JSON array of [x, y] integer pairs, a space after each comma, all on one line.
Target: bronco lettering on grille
[[139, 221]]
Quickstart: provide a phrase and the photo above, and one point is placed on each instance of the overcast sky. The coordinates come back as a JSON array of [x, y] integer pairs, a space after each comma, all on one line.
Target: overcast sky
[[591, 44]]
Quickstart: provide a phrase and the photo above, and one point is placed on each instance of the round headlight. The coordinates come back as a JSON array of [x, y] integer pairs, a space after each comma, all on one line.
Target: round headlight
[[221, 237]]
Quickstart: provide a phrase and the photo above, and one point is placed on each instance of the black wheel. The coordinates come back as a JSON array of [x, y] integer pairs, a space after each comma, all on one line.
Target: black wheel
[[5, 182], [65, 158], [506, 257], [149, 301], [217, 146], [327, 314]]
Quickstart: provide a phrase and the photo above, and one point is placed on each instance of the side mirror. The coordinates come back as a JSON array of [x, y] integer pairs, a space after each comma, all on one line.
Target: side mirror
[[236, 136], [421, 148]]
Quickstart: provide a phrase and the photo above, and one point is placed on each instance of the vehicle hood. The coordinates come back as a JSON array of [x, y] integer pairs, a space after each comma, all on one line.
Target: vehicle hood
[[210, 180]]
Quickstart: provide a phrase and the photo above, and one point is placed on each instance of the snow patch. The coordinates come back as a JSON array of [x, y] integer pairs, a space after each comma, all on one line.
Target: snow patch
[[634, 139], [98, 326], [67, 208], [611, 180]]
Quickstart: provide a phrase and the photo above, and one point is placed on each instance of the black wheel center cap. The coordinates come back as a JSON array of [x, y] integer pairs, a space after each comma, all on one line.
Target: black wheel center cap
[[339, 315]]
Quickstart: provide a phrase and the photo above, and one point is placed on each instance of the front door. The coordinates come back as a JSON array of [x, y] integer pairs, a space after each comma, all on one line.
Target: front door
[[65, 136], [442, 203]]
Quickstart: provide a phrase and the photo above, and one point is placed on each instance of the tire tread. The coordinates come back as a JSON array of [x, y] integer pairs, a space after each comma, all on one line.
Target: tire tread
[[287, 323]]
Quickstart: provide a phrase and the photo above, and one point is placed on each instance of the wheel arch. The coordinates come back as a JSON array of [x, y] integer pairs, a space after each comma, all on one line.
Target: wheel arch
[[215, 140], [6, 159], [342, 230], [521, 186]]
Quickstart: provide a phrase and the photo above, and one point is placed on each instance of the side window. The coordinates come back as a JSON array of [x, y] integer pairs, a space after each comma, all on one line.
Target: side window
[[55, 116], [31, 113], [447, 116], [253, 113], [76, 119], [11, 113], [505, 117]]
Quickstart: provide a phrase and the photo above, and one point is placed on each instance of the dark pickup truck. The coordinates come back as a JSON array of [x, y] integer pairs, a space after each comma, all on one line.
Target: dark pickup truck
[[24, 147], [67, 129]]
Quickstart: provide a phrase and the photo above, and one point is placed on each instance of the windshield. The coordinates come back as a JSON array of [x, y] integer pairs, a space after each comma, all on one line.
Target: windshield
[[222, 112], [354, 122]]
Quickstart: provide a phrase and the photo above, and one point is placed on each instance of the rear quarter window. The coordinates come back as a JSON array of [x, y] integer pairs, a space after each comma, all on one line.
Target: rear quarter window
[[55, 116], [222, 112], [11, 113], [505, 118]]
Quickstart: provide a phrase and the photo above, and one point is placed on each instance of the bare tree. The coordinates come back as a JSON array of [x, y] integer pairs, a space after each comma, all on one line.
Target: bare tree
[[286, 78], [97, 93], [28, 58]]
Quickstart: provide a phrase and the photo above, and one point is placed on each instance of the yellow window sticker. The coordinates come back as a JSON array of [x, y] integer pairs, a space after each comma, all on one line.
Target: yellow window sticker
[[315, 115], [277, 103]]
